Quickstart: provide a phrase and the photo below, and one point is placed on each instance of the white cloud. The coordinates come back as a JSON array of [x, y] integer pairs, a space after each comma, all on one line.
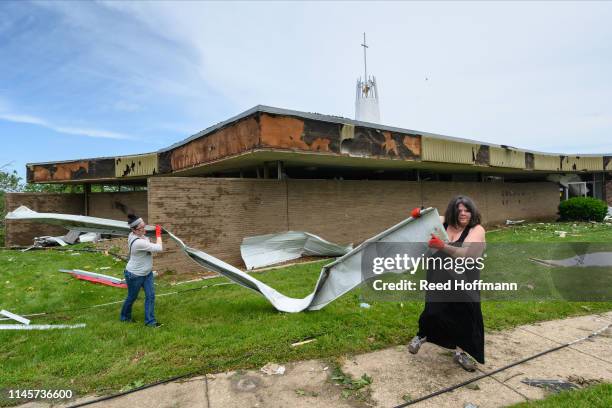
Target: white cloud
[[68, 130]]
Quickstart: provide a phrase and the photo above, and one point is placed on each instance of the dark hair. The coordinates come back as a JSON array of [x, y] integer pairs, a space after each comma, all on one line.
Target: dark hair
[[451, 216], [132, 218]]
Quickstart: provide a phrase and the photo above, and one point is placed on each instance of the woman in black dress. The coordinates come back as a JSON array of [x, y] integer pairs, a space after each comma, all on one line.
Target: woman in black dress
[[453, 319]]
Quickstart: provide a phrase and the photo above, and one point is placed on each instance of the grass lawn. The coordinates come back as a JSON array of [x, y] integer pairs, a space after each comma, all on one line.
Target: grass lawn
[[212, 329], [597, 396]]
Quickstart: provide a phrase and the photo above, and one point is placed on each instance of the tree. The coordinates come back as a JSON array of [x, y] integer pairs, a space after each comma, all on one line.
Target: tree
[[9, 182]]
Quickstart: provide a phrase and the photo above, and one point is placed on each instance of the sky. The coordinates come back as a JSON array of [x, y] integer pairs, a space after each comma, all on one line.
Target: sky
[[93, 79]]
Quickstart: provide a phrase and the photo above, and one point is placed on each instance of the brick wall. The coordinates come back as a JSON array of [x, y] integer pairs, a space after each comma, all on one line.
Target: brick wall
[[101, 205], [215, 214], [22, 233], [105, 205]]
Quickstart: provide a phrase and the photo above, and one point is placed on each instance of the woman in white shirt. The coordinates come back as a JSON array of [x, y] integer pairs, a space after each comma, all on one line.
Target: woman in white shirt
[[139, 270]]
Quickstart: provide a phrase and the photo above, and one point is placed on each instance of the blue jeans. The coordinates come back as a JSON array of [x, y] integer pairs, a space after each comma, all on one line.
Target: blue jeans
[[134, 283]]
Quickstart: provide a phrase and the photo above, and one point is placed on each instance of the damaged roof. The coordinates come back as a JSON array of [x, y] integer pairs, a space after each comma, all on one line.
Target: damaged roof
[[265, 133]]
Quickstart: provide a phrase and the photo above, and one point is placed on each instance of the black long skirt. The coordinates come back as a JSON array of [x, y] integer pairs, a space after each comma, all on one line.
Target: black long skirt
[[452, 324]]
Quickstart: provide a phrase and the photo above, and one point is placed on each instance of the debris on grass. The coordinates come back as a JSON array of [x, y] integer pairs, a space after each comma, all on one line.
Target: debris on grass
[[15, 317], [96, 277], [273, 369], [40, 326], [300, 343], [511, 222]]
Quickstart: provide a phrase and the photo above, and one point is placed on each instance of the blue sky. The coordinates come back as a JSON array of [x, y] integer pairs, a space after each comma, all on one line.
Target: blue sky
[[91, 79]]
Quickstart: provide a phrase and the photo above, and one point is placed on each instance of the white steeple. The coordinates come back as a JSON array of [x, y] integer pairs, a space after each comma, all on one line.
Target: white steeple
[[366, 102]]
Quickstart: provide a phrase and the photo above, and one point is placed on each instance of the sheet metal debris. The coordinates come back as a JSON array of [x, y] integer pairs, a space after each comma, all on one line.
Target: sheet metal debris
[[335, 279], [270, 249], [72, 237], [40, 326], [552, 385], [514, 222], [96, 277], [15, 317], [596, 259]]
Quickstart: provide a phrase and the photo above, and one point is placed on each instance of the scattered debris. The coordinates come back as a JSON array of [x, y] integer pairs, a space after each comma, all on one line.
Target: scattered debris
[[551, 385], [584, 382], [470, 405], [40, 326], [299, 343], [596, 259], [273, 369], [562, 234], [270, 249], [407, 397], [15, 317], [96, 277], [365, 305], [103, 268], [335, 279], [472, 386], [510, 222]]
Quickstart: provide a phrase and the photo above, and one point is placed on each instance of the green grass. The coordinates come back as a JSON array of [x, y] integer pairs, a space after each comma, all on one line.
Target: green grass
[[213, 329], [597, 396]]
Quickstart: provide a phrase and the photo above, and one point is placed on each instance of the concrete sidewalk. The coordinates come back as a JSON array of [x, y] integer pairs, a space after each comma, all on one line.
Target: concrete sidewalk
[[398, 376]]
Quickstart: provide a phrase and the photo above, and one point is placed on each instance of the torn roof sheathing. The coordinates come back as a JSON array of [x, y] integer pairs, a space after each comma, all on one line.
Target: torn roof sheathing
[[318, 138], [271, 249]]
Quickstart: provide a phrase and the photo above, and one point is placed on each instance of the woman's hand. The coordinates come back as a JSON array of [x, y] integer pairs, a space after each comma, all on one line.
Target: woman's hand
[[158, 234], [436, 242]]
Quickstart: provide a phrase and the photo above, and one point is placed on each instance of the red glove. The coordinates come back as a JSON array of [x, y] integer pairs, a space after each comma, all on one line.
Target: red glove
[[416, 212], [435, 242], [158, 231]]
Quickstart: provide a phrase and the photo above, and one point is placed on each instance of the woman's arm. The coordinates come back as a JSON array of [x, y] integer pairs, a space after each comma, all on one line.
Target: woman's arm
[[475, 245]]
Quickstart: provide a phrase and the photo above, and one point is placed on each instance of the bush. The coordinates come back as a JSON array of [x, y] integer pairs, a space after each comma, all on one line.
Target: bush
[[583, 209]]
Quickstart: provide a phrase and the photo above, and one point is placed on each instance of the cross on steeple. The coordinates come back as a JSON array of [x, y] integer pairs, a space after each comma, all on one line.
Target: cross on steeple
[[365, 62]]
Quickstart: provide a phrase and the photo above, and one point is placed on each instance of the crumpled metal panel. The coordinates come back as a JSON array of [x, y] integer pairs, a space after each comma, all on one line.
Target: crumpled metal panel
[[595, 259], [270, 249], [336, 278]]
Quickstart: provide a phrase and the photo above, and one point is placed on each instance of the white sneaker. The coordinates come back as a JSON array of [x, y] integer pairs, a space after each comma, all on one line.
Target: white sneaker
[[415, 344]]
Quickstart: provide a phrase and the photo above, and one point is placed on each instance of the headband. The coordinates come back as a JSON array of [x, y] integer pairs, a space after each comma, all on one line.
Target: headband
[[135, 223]]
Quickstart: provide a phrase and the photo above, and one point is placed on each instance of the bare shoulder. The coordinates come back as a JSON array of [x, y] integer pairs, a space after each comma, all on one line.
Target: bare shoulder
[[478, 228], [477, 234]]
